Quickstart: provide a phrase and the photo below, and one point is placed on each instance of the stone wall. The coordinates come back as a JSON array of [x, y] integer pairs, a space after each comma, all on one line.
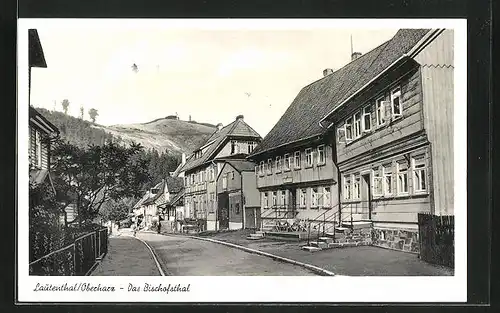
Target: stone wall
[[363, 236], [398, 239]]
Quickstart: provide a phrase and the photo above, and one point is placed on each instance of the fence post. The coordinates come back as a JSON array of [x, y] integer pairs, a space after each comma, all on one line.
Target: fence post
[[308, 231], [324, 223]]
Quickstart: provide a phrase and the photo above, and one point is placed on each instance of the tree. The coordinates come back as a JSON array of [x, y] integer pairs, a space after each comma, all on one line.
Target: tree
[[115, 211], [81, 112], [97, 174], [93, 114], [65, 105]]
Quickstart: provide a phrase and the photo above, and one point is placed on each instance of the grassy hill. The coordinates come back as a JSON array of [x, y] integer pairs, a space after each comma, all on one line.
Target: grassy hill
[[163, 134]]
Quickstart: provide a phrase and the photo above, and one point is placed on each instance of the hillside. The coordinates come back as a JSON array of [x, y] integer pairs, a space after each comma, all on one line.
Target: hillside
[[163, 134]]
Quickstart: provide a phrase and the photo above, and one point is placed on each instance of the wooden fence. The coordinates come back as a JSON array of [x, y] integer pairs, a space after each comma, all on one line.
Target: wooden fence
[[76, 259], [437, 239]]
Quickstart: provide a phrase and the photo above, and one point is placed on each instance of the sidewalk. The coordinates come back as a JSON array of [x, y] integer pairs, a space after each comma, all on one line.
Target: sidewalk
[[126, 256], [354, 261]]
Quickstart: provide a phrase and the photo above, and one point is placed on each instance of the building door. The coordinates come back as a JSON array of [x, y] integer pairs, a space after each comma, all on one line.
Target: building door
[[223, 210], [366, 197], [250, 218]]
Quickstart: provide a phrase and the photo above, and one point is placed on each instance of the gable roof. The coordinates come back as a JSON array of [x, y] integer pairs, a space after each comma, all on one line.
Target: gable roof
[[238, 128], [152, 198], [242, 165], [301, 119]]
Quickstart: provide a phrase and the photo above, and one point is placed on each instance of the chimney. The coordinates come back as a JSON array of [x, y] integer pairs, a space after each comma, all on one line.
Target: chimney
[[239, 117], [327, 71], [219, 126], [355, 55]]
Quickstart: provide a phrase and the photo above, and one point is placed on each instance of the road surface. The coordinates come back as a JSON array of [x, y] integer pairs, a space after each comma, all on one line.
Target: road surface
[[182, 256]]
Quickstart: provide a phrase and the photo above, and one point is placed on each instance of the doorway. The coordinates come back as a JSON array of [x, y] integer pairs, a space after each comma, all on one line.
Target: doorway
[[366, 196], [223, 210]]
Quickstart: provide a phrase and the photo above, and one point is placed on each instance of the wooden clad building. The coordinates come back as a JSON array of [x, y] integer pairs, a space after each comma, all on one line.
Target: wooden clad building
[[394, 137]]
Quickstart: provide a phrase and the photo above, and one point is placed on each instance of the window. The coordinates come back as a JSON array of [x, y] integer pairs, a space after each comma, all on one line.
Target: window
[[237, 208], [275, 198], [321, 155], [261, 168], [283, 198], [251, 146], [265, 202], [380, 111], [367, 118], [297, 160], [347, 187], [357, 186], [232, 175], [357, 125], [314, 197], [302, 198], [419, 174], [235, 148], [388, 179], [38, 149], [287, 162], [309, 158], [278, 164], [348, 129], [224, 181], [327, 202], [396, 102], [402, 168], [269, 167], [377, 181]]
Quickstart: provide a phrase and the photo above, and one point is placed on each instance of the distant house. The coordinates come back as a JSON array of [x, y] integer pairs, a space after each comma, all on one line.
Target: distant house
[[201, 170], [148, 209], [41, 131]]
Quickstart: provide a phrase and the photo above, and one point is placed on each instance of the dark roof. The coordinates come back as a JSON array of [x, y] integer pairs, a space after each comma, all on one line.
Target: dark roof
[[238, 128], [160, 186], [36, 56], [174, 184], [242, 165], [34, 114], [301, 119]]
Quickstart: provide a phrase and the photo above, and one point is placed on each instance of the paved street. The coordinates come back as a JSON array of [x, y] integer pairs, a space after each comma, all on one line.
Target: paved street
[[182, 256], [126, 256]]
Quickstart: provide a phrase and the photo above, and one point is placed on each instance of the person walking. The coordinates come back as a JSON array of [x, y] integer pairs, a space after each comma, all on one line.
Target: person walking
[[159, 226]]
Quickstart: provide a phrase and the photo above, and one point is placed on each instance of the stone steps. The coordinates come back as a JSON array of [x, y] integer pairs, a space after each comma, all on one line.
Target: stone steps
[[319, 246]]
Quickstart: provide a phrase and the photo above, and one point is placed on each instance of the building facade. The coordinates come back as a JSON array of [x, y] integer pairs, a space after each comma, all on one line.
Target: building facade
[[395, 138], [202, 169]]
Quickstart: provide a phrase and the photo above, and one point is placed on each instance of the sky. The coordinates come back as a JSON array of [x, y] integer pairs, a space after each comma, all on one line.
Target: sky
[[210, 75]]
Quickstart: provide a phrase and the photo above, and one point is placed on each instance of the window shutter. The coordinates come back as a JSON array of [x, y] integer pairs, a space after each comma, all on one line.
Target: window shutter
[[341, 135]]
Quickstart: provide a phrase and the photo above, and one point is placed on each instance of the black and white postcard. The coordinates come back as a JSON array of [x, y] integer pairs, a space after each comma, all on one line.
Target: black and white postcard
[[294, 160]]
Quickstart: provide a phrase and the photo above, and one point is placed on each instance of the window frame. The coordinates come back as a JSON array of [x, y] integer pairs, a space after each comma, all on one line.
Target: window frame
[[399, 174], [380, 116], [388, 175], [286, 164], [323, 150], [398, 91], [302, 198], [261, 168], [314, 197], [224, 181], [274, 199], [363, 120], [357, 125], [348, 129], [327, 191], [269, 166], [377, 174], [265, 200], [310, 155], [423, 169], [347, 190], [356, 186], [283, 198], [297, 156], [278, 163]]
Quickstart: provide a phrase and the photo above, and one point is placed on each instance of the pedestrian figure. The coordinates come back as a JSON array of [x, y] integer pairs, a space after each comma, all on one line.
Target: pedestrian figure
[[159, 227], [135, 229]]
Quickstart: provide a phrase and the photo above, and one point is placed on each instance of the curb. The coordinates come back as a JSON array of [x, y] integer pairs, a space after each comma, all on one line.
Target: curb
[[158, 265], [310, 267]]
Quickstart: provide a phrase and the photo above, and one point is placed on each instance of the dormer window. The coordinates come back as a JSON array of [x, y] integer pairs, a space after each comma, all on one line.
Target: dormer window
[[154, 191]]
